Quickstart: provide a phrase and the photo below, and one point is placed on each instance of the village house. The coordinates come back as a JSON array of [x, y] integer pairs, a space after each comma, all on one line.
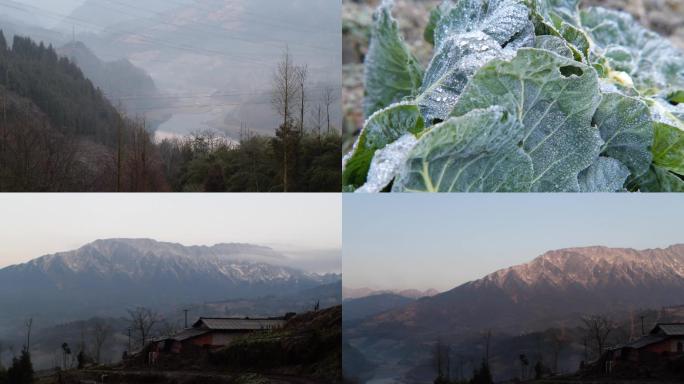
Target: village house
[[664, 341], [214, 332]]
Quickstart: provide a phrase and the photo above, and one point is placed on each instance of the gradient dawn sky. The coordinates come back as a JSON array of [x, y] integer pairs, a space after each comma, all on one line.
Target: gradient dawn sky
[[32, 225], [441, 241]]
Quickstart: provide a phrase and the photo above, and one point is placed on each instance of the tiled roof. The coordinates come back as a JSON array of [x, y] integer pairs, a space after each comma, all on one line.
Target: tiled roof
[[188, 334], [230, 324], [675, 329], [644, 341]]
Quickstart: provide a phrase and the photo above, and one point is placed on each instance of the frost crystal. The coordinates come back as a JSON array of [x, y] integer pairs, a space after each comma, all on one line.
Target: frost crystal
[[386, 162]]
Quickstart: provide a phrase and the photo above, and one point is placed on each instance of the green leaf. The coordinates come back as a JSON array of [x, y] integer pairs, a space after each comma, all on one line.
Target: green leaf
[[651, 60], [568, 10], [386, 163], [455, 61], [392, 73], [505, 21], [668, 147], [469, 33], [576, 38], [676, 97], [560, 18], [627, 131], [605, 175], [429, 33], [554, 44], [476, 152], [381, 129], [555, 99], [659, 180]]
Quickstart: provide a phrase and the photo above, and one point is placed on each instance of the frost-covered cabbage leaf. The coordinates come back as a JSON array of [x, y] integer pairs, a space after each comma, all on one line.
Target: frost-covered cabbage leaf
[[505, 21], [560, 18], [468, 34], [555, 99], [650, 60], [455, 62], [382, 128], [605, 175], [523, 95], [391, 70], [659, 180], [476, 152], [626, 128], [386, 162]]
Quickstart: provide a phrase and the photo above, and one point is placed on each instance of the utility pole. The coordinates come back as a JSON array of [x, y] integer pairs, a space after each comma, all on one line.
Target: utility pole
[[129, 340], [643, 331], [186, 318]]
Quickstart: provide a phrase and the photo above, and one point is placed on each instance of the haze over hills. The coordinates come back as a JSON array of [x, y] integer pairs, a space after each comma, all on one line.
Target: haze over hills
[[212, 59], [553, 286], [196, 82], [128, 87], [523, 303], [357, 293], [107, 276], [232, 48]]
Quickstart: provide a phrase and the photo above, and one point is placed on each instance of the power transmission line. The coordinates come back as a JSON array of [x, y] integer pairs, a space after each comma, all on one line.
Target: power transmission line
[[145, 38], [222, 30]]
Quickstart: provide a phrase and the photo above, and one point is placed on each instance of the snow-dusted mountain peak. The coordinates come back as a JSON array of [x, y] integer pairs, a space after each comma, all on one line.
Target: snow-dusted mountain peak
[[593, 266]]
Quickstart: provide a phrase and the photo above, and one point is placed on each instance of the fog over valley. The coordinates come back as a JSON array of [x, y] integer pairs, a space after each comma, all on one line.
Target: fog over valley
[[210, 62]]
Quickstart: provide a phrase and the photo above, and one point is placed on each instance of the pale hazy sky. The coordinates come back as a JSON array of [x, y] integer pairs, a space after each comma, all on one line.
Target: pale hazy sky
[[32, 225], [441, 241]]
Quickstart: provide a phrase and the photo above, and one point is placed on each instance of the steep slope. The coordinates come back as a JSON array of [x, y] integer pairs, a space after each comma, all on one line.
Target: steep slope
[[554, 287], [55, 97], [121, 81], [355, 309], [107, 276], [527, 308]]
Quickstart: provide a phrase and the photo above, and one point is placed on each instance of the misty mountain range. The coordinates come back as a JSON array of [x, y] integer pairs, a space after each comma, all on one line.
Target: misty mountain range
[[212, 59], [107, 276], [555, 290]]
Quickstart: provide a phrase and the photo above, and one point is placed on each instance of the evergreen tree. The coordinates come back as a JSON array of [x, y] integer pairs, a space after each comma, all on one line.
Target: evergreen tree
[[482, 375], [3, 43], [21, 371]]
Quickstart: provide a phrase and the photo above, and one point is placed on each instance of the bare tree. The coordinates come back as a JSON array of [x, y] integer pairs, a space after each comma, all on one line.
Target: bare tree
[[29, 325], [284, 87], [558, 341], [284, 95], [316, 121], [487, 339], [598, 329], [167, 328], [328, 98], [119, 146], [438, 356], [142, 321], [101, 332], [302, 73]]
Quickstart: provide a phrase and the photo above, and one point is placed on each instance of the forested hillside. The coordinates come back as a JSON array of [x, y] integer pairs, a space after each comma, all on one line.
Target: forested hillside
[[58, 132], [124, 84]]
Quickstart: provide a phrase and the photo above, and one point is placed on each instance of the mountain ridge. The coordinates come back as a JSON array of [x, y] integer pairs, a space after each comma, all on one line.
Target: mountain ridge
[[109, 275], [556, 286]]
